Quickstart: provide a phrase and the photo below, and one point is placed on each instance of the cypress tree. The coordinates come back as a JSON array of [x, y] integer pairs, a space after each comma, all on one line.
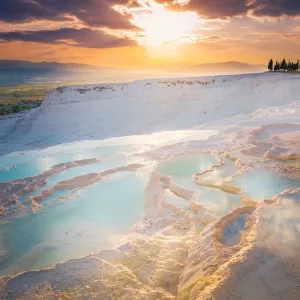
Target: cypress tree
[[289, 66], [283, 65], [270, 66]]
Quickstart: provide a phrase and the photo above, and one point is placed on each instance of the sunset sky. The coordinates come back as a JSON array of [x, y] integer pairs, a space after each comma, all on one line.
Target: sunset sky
[[151, 33]]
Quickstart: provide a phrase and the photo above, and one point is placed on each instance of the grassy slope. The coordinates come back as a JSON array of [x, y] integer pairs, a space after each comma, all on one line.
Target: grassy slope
[[15, 99]]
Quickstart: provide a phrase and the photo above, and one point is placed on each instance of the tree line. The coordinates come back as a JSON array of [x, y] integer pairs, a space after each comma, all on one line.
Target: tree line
[[284, 66]]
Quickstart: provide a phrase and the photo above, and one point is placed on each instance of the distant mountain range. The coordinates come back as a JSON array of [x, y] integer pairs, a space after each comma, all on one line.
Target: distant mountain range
[[230, 67], [201, 69], [19, 65]]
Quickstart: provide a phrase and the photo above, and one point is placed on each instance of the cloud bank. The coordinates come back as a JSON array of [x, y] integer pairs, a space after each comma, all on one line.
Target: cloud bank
[[214, 9], [85, 37], [97, 13]]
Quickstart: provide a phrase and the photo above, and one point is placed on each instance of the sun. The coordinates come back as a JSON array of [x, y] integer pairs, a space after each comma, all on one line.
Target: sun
[[163, 26]]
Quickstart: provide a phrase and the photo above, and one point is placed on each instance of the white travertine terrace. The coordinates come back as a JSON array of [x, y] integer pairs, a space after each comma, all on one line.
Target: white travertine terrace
[[174, 252]]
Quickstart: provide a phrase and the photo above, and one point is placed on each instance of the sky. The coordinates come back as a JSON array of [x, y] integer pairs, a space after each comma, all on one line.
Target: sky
[[149, 33]]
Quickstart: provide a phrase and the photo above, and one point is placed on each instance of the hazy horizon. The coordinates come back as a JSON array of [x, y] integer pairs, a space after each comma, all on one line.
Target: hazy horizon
[[23, 72]]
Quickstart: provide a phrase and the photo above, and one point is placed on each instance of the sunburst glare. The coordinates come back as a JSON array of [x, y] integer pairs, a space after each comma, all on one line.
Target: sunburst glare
[[163, 26]]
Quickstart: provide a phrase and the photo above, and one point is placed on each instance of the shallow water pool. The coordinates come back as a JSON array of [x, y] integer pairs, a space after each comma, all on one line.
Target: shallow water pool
[[185, 166], [182, 169], [216, 201], [221, 173], [233, 231], [32, 163], [264, 185], [87, 222]]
